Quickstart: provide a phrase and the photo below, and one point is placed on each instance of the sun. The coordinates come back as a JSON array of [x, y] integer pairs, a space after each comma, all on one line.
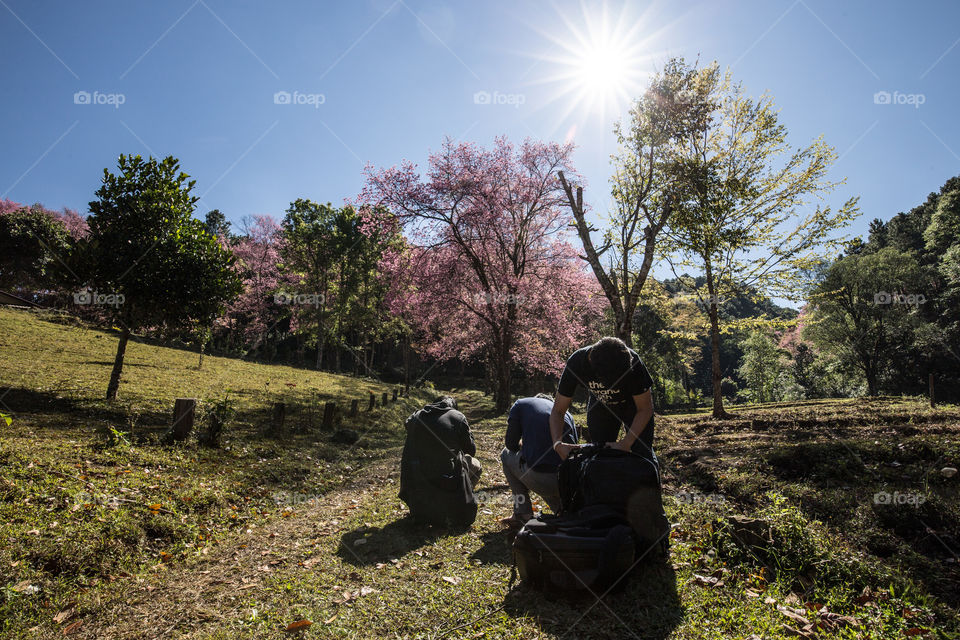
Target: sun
[[598, 64]]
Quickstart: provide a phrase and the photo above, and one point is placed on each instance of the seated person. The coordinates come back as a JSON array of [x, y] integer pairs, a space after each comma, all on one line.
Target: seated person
[[529, 461], [438, 444]]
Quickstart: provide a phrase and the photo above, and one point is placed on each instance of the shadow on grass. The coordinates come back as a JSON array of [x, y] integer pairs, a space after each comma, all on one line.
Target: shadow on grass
[[648, 607], [390, 541]]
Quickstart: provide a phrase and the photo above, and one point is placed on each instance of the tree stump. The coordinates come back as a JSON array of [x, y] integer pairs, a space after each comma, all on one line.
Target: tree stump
[[385, 396], [354, 408], [328, 412], [184, 413], [394, 394]]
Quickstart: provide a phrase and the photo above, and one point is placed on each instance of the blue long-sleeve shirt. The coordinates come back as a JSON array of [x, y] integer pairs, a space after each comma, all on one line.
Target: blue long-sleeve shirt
[[529, 423]]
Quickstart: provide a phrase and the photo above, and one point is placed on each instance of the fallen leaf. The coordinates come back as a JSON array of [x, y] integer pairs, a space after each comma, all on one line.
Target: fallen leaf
[[64, 615], [73, 627], [453, 579], [299, 625], [330, 619], [794, 614]]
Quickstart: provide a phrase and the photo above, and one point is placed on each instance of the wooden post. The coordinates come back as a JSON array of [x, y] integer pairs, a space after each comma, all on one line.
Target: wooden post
[[279, 416], [373, 401], [328, 412], [384, 398], [354, 408], [933, 399], [394, 394], [406, 390], [184, 412]]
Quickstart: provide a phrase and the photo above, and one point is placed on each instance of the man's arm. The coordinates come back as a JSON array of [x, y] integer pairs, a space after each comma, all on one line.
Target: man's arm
[[512, 438], [644, 404], [560, 405], [468, 446]]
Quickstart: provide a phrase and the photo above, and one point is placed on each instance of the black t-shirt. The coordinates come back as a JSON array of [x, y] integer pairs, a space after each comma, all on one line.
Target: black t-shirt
[[608, 408], [619, 397]]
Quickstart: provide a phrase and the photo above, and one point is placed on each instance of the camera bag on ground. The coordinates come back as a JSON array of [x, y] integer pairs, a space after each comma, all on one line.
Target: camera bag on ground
[[587, 551]]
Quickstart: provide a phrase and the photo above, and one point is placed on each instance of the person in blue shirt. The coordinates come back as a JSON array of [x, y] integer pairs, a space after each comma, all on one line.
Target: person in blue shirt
[[529, 461]]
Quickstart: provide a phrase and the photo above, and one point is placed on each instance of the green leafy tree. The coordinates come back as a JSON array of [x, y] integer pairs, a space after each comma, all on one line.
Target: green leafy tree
[[675, 105], [761, 365], [151, 262], [217, 224], [862, 311], [737, 217], [311, 231], [31, 243]]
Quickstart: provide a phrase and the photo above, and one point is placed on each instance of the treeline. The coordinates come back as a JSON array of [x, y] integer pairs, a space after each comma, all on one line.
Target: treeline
[[469, 268]]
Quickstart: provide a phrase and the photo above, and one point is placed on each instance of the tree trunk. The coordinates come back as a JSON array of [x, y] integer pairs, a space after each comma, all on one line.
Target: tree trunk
[[715, 374], [871, 375], [118, 365]]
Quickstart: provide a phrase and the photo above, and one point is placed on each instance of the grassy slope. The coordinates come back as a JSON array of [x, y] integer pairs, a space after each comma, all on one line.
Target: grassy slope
[[811, 469], [75, 514]]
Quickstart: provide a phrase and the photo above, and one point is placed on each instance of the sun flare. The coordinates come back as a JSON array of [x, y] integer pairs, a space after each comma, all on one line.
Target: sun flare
[[600, 63]]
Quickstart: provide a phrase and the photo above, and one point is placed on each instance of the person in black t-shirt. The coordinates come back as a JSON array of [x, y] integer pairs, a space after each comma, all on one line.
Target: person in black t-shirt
[[619, 387]]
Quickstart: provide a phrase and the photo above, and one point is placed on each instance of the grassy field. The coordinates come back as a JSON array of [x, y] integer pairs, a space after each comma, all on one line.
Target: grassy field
[[816, 519]]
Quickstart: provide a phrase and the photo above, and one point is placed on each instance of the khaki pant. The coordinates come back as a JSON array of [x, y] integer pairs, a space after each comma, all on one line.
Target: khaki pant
[[523, 480]]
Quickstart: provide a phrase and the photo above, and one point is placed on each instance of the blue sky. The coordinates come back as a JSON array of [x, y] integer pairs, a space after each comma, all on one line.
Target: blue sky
[[382, 80]]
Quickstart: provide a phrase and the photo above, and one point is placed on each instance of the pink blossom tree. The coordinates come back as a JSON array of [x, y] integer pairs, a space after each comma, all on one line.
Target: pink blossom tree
[[253, 313], [487, 272]]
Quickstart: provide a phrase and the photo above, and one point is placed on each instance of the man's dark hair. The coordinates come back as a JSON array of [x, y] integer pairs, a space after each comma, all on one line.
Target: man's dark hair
[[448, 401], [610, 359], [545, 396]]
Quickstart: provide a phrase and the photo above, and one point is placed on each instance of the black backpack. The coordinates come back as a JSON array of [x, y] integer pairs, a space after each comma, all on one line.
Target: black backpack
[[445, 500], [588, 551], [620, 480]]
